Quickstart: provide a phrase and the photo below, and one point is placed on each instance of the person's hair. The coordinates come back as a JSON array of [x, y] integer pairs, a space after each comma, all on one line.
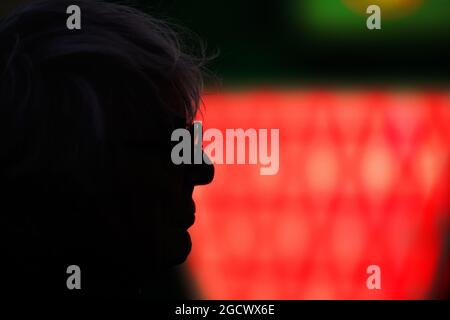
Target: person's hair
[[66, 95], [58, 86]]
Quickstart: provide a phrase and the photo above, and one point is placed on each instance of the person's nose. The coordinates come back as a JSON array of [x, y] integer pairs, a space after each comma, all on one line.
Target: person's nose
[[201, 174]]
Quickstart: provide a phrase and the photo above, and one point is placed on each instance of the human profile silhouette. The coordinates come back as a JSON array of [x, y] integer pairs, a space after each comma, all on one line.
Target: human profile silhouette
[[86, 177]]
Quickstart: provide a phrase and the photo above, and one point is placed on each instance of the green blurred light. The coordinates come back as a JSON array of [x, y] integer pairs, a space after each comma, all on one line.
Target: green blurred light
[[335, 18]]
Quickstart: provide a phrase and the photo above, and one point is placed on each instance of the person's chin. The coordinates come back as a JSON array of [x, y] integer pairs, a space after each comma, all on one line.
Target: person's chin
[[179, 246]]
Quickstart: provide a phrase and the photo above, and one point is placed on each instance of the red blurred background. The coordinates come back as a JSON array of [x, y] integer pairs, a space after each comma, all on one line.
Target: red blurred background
[[363, 179]]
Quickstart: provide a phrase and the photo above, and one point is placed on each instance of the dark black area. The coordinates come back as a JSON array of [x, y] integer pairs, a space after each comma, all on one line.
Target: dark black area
[[86, 173]]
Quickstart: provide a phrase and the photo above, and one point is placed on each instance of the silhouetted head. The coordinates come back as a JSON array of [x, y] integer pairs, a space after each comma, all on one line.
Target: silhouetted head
[[85, 123]]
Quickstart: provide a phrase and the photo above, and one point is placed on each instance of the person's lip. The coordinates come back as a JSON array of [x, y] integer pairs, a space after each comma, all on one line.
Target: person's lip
[[191, 221], [187, 218]]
